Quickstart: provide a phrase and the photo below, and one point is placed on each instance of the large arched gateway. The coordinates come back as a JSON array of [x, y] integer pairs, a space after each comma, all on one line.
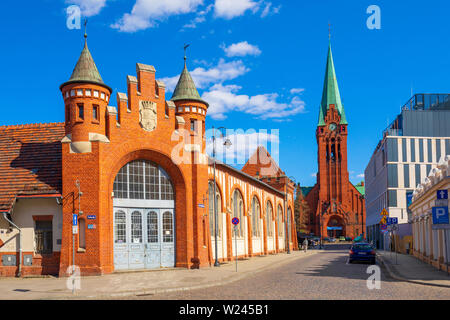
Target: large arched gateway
[[144, 214]]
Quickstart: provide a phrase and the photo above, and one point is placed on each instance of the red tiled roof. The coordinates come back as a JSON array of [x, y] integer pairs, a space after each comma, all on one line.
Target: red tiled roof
[[262, 164], [30, 161]]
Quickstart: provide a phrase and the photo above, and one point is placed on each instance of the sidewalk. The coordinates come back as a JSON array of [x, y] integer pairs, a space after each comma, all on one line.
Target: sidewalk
[[142, 282], [411, 269]]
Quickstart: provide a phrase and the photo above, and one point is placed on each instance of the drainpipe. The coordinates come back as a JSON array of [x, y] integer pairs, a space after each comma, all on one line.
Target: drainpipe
[[19, 274]]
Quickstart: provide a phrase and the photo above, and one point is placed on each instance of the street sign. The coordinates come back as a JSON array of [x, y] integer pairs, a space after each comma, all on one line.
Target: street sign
[[91, 226], [383, 220], [200, 205], [384, 213], [383, 227], [442, 194], [74, 219], [392, 221], [235, 221], [92, 217], [74, 229], [441, 203], [440, 215]]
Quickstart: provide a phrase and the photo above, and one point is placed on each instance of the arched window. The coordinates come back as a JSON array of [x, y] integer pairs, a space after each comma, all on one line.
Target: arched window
[[256, 212], [269, 219], [280, 221], [120, 228], [152, 227], [237, 205], [167, 220], [82, 234], [136, 227], [142, 179], [212, 215]]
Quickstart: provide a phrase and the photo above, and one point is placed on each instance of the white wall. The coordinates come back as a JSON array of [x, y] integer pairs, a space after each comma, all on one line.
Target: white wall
[[22, 216]]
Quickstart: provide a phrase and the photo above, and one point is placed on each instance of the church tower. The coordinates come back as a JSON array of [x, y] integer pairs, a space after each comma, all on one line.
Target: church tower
[[331, 136], [336, 205]]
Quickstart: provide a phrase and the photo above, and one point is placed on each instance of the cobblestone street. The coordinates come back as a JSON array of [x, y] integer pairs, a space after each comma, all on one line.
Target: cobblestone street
[[326, 275]]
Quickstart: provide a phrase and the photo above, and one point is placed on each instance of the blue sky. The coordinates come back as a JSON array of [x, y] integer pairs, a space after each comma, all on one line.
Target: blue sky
[[260, 63]]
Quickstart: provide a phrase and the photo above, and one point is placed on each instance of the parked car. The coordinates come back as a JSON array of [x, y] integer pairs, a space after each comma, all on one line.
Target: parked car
[[348, 239], [342, 239], [326, 239], [333, 240], [362, 252]]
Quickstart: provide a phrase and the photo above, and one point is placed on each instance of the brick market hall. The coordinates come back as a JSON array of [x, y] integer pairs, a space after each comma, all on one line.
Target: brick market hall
[[138, 182]]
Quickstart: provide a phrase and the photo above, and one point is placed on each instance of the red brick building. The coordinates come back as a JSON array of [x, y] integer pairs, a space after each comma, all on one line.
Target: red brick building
[[138, 180], [336, 205]]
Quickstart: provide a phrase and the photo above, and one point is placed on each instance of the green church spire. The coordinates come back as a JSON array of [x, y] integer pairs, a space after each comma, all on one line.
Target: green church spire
[[331, 93]]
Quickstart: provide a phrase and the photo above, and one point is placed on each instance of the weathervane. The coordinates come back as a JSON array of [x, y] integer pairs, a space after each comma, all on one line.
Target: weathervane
[[85, 28], [185, 47]]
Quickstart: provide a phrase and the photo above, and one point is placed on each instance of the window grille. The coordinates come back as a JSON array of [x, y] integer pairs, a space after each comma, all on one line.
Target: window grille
[[44, 237], [136, 227], [120, 235], [142, 179], [167, 227], [152, 227]]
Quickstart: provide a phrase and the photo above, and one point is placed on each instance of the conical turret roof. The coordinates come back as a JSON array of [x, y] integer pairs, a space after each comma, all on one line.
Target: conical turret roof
[[185, 89], [331, 93], [85, 70]]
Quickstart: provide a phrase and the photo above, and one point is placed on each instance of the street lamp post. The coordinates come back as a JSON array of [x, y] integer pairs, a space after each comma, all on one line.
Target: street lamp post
[[288, 215], [227, 143]]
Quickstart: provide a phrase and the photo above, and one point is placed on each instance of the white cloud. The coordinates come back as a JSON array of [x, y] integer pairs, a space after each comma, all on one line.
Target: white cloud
[[223, 99], [200, 18], [147, 13], [314, 175], [244, 144], [89, 7], [204, 77], [241, 49], [269, 10], [296, 90], [229, 9], [361, 176]]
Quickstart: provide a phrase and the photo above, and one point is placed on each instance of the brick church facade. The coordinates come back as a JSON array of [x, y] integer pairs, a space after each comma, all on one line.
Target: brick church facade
[[138, 180], [337, 207]]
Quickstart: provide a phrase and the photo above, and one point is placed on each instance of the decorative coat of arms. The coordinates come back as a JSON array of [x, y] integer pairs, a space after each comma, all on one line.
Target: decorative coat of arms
[[147, 115]]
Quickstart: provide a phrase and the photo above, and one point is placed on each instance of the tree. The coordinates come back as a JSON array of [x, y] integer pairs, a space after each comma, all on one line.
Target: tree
[[301, 211]]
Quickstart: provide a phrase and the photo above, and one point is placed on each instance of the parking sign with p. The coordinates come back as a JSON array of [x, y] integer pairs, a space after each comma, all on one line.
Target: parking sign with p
[[440, 215]]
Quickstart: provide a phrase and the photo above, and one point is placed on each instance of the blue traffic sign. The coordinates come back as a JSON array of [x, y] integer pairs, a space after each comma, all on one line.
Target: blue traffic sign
[[440, 215], [391, 221], [235, 221], [74, 219], [442, 194], [92, 217]]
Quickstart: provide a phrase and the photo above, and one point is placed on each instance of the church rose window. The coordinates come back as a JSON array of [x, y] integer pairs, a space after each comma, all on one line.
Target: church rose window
[[141, 179]]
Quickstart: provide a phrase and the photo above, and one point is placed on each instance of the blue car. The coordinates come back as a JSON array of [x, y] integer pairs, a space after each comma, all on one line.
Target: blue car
[[362, 252]]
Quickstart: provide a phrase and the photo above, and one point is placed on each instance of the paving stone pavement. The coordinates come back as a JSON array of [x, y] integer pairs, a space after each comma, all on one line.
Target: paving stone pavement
[[409, 268], [142, 282]]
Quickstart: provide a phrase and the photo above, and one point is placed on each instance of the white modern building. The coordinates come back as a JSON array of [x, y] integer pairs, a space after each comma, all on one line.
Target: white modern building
[[411, 147], [429, 243]]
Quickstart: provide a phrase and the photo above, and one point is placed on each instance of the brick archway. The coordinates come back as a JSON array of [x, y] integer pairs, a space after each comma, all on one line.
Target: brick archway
[[179, 189], [335, 226]]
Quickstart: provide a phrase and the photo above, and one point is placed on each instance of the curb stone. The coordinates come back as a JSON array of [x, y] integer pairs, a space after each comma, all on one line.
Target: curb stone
[[399, 278], [155, 291]]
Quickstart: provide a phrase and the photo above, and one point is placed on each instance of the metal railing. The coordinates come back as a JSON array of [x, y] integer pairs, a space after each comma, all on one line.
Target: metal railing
[[428, 101]]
